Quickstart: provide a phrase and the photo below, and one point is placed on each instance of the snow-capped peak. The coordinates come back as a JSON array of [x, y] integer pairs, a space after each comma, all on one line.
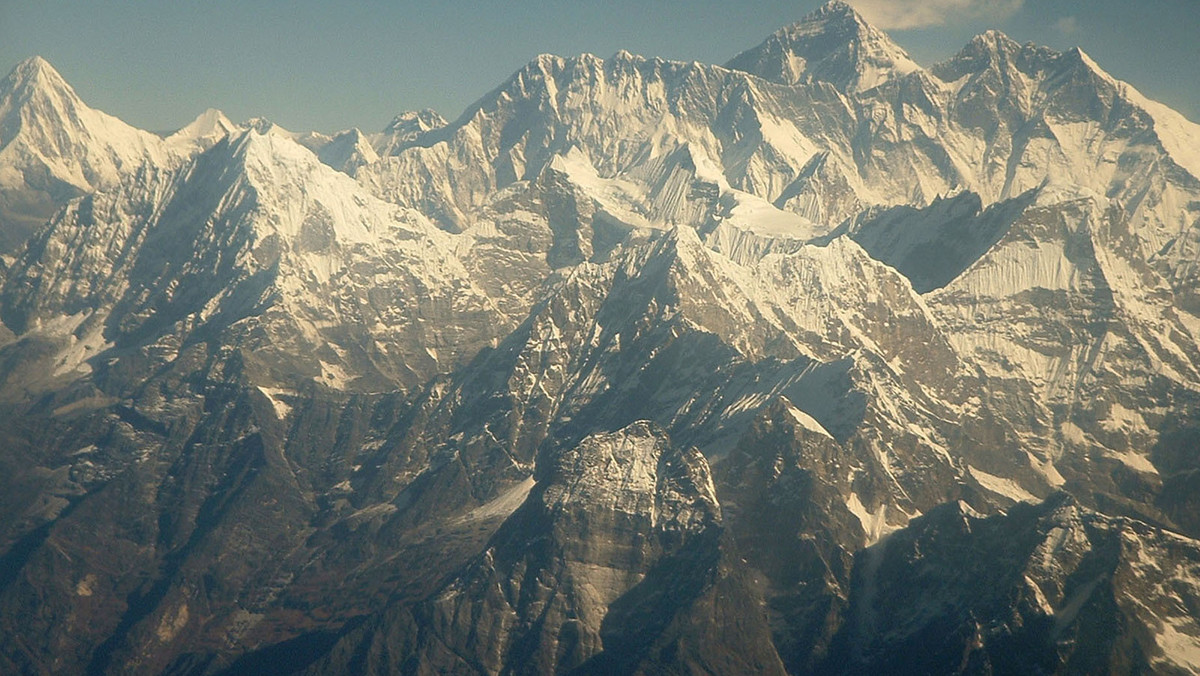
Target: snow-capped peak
[[1179, 136], [415, 122], [32, 89], [993, 49], [833, 44], [209, 127], [347, 151], [406, 127], [44, 126], [34, 72], [264, 126], [1013, 70], [993, 41]]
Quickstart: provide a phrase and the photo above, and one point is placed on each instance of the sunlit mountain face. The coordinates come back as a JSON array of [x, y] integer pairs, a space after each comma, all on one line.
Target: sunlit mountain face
[[817, 362]]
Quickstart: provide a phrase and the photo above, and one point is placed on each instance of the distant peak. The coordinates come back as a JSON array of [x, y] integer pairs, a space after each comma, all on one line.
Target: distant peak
[[212, 118], [268, 128], [409, 125], [259, 124], [547, 61], [831, 44], [416, 121], [993, 44], [992, 49], [205, 130], [995, 40], [837, 8], [832, 17]]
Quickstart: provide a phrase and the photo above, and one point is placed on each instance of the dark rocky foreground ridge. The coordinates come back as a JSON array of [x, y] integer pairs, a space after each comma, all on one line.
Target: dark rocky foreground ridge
[[817, 363]]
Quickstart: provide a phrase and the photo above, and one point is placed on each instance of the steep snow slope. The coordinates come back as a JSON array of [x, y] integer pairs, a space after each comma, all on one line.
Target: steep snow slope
[[53, 148], [45, 127], [260, 243], [619, 112], [1064, 314]]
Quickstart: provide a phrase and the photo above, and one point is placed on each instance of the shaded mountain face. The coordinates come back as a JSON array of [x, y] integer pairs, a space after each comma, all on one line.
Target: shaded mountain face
[[819, 362], [1049, 587]]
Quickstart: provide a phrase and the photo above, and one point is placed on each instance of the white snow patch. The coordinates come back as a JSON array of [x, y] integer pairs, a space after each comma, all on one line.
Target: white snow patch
[[1120, 418], [1179, 648], [1047, 470], [1066, 615], [1019, 266], [1135, 461], [73, 359], [502, 505], [759, 216], [282, 409], [1179, 136], [807, 421], [1072, 433], [745, 403], [874, 523], [1001, 486], [333, 376]]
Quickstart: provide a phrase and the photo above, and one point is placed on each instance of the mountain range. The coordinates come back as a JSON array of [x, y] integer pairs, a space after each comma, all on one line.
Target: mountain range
[[817, 362]]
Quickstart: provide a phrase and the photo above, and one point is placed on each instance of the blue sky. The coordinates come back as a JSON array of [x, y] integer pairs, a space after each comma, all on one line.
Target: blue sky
[[309, 64]]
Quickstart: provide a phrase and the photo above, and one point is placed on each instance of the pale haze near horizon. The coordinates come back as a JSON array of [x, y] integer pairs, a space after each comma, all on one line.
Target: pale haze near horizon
[[318, 66]]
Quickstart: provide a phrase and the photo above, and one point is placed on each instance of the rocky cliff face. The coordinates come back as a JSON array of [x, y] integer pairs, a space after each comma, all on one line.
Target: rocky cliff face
[[1049, 588], [614, 563], [820, 362]]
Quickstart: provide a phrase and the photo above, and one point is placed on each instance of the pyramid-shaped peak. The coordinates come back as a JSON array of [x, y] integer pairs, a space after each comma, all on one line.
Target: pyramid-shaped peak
[[34, 73], [202, 132], [35, 97], [213, 116], [347, 151], [49, 132], [210, 120], [835, 21], [266, 150], [34, 66], [831, 44], [836, 8]]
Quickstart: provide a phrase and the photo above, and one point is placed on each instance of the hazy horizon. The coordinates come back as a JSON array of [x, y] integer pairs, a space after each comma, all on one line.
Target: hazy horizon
[[309, 66]]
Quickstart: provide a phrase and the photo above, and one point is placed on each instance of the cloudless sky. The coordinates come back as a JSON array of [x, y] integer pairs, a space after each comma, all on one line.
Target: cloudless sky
[[316, 64]]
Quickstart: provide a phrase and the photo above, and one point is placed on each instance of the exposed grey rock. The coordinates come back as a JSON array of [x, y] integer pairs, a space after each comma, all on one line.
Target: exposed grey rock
[[1050, 588], [618, 542]]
